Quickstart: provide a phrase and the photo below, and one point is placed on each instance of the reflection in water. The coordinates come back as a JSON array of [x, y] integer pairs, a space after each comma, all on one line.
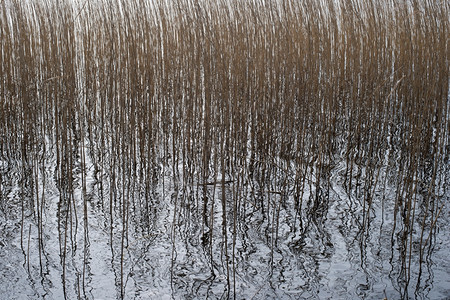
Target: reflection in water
[[110, 231]]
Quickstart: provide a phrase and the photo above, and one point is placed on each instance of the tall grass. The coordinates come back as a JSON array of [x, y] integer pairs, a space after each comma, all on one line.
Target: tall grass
[[249, 105]]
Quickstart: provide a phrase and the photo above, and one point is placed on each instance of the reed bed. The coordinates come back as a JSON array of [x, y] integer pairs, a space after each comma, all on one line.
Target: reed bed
[[248, 107]]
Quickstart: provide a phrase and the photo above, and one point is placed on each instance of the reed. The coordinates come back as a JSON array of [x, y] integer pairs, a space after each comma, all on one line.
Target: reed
[[250, 106]]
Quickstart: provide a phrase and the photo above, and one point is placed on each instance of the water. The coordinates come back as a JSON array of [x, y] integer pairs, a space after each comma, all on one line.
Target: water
[[52, 248]]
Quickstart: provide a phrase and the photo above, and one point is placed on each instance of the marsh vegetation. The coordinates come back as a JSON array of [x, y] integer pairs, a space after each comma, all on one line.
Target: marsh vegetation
[[224, 149]]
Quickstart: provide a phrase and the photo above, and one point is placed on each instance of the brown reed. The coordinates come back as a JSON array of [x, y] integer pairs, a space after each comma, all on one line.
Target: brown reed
[[259, 100]]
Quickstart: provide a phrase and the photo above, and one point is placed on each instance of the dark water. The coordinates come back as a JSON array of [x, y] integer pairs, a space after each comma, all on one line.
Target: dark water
[[334, 248]]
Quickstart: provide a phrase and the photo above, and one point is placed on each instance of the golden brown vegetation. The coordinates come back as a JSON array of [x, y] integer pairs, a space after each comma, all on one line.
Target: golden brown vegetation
[[248, 104]]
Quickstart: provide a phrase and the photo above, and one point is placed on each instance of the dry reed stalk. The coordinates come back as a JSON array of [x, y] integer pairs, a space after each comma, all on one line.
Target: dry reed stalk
[[256, 96]]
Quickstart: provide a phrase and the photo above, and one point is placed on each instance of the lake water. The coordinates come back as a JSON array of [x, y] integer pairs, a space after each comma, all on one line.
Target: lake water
[[117, 234]]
